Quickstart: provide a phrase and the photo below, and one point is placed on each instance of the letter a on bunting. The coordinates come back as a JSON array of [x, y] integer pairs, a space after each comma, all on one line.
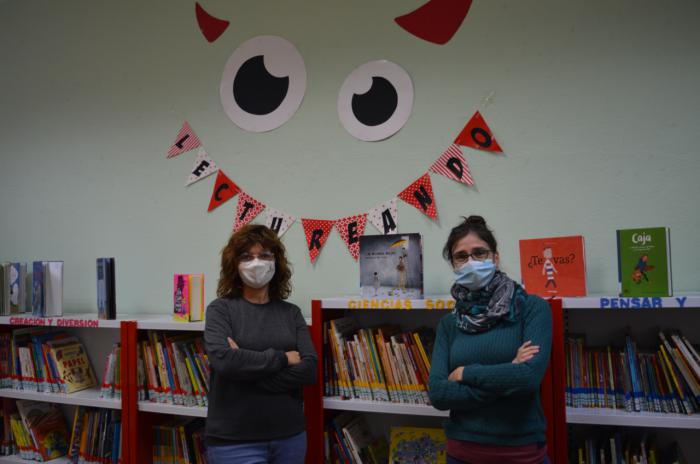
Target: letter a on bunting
[[247, 208], [316, 232], [420, 195], [350, 230], [476, 134], [224, 190], [185, 141]]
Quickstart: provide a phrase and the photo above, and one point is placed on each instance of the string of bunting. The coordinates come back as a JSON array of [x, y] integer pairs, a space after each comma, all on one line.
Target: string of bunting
[[451, 164]]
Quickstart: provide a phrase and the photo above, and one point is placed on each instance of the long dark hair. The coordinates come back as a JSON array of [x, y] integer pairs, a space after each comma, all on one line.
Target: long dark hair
[[230, 283], [473, 223]]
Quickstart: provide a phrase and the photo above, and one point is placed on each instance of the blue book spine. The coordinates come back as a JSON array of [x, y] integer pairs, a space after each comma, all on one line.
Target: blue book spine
[[115, 443], [38, 289]]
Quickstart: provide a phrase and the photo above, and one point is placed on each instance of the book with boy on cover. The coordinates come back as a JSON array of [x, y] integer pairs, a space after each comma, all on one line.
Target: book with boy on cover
[[644, 262], [410, 445], [554, 266], [391, 266]]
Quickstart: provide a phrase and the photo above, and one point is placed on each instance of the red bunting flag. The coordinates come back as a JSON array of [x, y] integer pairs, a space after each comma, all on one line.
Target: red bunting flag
[[211, 26], [224, 190], [350, 230], [185, 141], [247, 208], [436, 21], [420, 195], [317, 232], [452, 165], [476, 134]]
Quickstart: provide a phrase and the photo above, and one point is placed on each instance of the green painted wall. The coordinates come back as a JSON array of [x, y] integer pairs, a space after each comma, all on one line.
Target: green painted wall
[[595, 104]]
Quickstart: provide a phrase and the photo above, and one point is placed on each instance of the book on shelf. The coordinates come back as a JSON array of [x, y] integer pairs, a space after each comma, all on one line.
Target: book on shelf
[[95, 436], [188, 297], [644, 262], [45, 427], [111, 379], [417, 444], [391, 266], [13, 291], [554, 266], [179, 440], [617, 448], [664, 381], [176, 369], [348, 440], [106, 294], [47, 288], [381, 363]]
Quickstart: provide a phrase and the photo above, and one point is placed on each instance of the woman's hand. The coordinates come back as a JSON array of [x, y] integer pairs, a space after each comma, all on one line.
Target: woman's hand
[[293, 357], [526, 352], [456, 375], [231, 343]]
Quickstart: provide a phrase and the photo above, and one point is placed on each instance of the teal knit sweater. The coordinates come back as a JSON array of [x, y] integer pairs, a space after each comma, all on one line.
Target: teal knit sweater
[[497, 402]]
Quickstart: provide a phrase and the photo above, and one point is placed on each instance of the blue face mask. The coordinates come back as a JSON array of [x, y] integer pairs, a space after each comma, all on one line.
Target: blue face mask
[[475, 274]]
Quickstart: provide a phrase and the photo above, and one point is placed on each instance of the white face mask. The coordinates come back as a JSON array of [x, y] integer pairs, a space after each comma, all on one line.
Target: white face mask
[[256, 273]]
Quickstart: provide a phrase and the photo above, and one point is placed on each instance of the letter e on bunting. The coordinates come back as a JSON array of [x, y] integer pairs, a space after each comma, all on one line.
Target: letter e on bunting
[[385, 217], [247, 208], [350, 230], [452, 165], [420, 195], [186, 140], [224, 190], [203, 166], [316, 232], [476, 134]]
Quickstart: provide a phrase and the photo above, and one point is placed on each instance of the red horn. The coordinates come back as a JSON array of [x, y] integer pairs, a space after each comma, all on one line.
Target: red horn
[[436, 21], [211, 27]]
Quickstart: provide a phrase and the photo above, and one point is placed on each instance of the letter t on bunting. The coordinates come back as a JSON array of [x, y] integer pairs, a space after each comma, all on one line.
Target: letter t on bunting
[[452, 165], [420, 195], [317, 232], [350, 230], [224, 190], [247, 208], [476, 134]]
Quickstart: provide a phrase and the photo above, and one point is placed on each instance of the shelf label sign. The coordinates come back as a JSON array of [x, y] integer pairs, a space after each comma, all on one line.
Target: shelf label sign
[[389, 304], [640, 303], [54, 322]]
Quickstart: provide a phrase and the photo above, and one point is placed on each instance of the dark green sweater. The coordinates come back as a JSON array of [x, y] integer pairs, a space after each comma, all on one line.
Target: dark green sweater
[[497, 402], [254, 395]]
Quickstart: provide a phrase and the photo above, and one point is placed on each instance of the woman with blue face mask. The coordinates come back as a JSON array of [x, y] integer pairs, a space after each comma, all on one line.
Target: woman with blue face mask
[[489, 357], [261, 356]]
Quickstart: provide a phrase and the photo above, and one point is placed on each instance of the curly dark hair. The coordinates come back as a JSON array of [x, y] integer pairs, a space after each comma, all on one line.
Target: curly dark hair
[[230, 284], [473, 223]]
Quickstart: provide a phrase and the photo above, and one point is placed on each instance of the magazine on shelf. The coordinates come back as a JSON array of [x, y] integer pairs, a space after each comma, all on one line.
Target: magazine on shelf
[[644, 262], [391, 266]]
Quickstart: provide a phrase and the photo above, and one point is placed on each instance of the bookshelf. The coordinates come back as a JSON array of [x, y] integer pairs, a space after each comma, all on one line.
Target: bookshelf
[[605, 320]]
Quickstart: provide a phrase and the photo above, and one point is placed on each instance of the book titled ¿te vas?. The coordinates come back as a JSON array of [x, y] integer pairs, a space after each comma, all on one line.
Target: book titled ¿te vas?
[[554, 266], [644, 261]]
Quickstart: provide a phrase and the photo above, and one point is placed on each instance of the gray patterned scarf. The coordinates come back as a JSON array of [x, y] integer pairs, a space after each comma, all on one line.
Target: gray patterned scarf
[[481, 310]]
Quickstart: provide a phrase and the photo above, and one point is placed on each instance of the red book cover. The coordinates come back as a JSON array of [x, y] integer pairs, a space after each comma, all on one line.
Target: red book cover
[[554, 266]]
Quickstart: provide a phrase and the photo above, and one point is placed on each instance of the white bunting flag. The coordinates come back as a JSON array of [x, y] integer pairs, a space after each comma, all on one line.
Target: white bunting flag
[[385, 217], [279, 221], [203, 167]]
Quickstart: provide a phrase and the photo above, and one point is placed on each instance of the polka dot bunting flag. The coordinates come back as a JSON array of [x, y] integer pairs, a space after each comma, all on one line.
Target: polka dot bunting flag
[[350, 230], [247, 208], [316, 232], [420, 195]]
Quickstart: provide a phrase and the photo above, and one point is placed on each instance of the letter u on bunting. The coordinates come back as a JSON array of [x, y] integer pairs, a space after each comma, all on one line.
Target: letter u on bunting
[[385, 217], [452, 165], [224, 190], [420, 195], [247, 208], [350, 230], [186, 140], [279, 221], [476, 134], [203, 167], [316, 232]]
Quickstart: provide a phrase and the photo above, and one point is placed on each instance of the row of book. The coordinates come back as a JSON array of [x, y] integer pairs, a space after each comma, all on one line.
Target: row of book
[[348, 440], [95, 436], [615, 448], [179, 441], [43, 360], [40, 292], [39, 430], [382, 363], [665, 381], [173, 368], [111, 379]]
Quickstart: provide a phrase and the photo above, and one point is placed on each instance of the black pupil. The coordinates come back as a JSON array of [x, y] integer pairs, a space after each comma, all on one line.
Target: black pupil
[[377, 105], [255, 90]]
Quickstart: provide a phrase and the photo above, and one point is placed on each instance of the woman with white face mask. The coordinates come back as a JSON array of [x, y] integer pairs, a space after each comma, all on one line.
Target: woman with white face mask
[[261, 356], [489, 357]]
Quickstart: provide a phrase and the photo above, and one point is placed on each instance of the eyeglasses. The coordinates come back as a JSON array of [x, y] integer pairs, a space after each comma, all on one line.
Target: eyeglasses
[[263, 255], [462, 257]]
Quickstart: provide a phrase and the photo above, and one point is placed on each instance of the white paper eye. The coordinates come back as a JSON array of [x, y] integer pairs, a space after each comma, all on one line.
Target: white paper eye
[[375, 100], [263, 83]]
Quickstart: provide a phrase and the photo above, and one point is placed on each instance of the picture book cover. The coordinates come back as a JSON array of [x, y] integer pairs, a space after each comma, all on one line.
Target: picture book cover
[[391, 266], [74, 367], [196, 294], [47, 426], [417, 445], [644, 262], [38, 288], [181, 298], [18, 278], [53, 288], [554, 266]]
